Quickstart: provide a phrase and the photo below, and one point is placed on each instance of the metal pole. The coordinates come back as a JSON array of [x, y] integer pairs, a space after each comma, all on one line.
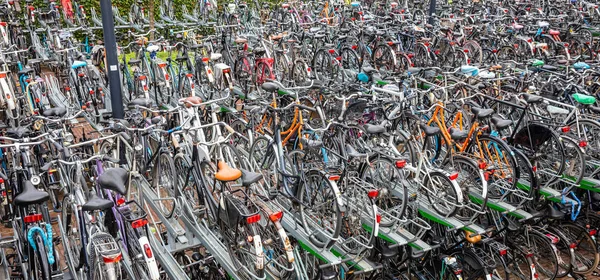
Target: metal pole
[[110, 47], [431, 11]]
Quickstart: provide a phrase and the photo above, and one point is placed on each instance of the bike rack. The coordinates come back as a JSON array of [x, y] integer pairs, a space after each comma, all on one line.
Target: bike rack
[[502, 207], [449, 222], [590, 184], [178, 238], [303, 238], [549, 193]]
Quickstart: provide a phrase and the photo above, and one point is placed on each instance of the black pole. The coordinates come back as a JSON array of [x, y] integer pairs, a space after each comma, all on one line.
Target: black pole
[[431, 11], [110, 47]]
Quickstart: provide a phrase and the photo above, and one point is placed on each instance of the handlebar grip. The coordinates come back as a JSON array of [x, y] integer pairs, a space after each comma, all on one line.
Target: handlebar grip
[[229, 128], [174, 129]]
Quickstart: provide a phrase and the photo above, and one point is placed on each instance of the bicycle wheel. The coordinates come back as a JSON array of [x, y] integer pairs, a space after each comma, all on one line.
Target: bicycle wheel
[[393, 195], [243, 242], [471, 180], [231, 156], [186, 181], [502, 167], [164, 172], [586, 250], [277, 259], [517, 266], [359, 208], [574, 160], [544, 257], [300, 72], [40, 267], [384, 58], [319, 211], [442, 193], [70, 223], [473, 51], [563, 252]]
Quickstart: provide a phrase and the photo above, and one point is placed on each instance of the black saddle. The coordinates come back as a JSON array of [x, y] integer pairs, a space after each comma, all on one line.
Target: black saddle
[[457, 134], [501, 123], [114, 179], [249, 177], [430, 130], [97, 203], [18, 132], [532, 98], [30, 195], [482, 113]]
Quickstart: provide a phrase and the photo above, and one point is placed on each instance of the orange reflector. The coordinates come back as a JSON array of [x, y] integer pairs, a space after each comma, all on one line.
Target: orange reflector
[[276, 216]]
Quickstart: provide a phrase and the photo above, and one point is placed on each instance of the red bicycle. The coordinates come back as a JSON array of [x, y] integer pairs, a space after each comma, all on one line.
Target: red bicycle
[[252, 69]]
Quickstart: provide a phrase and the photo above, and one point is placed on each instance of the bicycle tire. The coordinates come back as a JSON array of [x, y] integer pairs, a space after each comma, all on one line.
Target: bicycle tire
[[41, 260], [587, 257], [335, 223], [433, 181], [164, 172], [471, 180]]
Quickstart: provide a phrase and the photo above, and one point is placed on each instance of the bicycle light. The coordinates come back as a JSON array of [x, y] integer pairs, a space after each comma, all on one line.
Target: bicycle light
[[453, 176], [253, 219], [373, 193], [276, 216], [400, 163]]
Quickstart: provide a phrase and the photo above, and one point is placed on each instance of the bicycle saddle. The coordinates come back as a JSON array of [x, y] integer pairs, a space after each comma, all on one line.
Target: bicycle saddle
[[554, 32], [249, 177], [226, 173], [78, 64], [481, 113], [181, 58], [193, 100], [145, 102], [114, 179], [97, 203], [501, 123], [353, 153], [31, 195], [18, 132], [531, 98], [134, 61], [259, 51], [312, 144], [25, 71], [554, 213], [430, 130], [549, 67], [153, 48], [55, 112], [374, 129], [270, 87], [457, 134]]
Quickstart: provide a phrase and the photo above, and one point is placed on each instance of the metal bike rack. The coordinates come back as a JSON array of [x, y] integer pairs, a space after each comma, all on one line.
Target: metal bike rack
[[179, 238], [590, 184], [303, 238], [449, 222], [502, 207]]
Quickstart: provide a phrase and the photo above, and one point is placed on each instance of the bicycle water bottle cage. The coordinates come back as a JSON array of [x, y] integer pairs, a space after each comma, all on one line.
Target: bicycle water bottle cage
[[78, 64], [581, 65], [584, 99]]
